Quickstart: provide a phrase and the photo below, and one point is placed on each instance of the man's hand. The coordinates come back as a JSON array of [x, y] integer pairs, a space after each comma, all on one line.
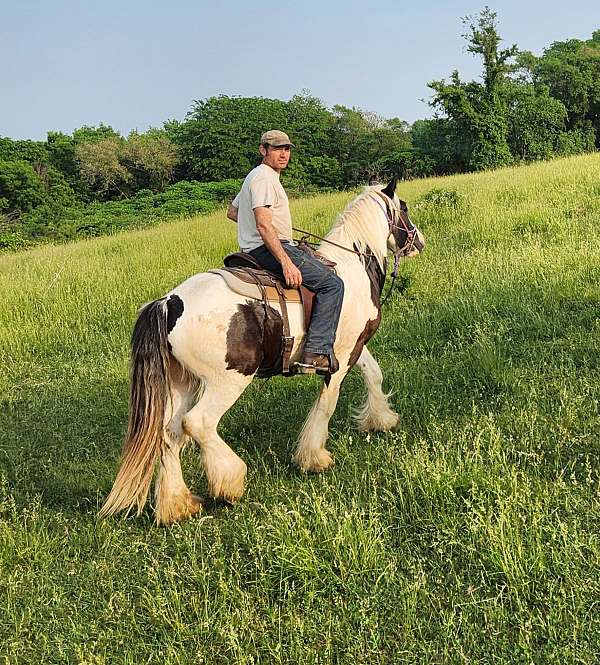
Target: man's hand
[[293, 277]]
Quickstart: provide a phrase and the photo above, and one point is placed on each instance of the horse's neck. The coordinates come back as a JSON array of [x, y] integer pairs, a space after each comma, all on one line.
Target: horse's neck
[[362, 257], [346, 235], [341, 239]]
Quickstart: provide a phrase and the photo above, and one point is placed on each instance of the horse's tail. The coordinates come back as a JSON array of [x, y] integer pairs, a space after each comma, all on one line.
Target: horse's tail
[[149, 392]]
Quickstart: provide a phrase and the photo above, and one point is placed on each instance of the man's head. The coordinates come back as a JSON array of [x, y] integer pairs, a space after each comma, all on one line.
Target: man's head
[[275, 148]]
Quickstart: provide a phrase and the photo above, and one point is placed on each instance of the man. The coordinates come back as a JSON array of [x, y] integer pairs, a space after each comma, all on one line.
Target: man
[[262, 212]]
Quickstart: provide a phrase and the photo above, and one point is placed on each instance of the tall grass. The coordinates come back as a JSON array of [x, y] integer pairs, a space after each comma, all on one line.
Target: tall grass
[[469, 535]]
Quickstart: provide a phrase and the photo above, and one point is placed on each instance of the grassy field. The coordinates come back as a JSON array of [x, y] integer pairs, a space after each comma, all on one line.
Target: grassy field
[[470, 535]]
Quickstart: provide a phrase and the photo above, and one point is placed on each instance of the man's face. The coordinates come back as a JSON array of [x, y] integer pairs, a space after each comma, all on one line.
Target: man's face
[[276, 157]]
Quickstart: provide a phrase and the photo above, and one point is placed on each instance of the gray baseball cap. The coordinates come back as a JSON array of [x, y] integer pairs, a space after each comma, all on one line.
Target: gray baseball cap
[[276, 138]]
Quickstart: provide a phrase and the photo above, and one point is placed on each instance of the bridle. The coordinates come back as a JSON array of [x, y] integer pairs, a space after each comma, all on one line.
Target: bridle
[[406, 227]]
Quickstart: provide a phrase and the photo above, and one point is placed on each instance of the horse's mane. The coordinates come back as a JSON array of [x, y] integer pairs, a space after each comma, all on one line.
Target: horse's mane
[[357, 226]]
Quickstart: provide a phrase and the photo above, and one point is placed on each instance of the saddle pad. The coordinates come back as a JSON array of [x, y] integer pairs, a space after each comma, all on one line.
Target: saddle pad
[[252, 291]]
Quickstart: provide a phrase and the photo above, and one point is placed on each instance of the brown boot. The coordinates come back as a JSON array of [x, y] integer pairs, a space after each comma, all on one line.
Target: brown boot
[[313, 363]]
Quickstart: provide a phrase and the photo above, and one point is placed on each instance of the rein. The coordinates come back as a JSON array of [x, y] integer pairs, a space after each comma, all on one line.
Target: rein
[[408, 245], [335, 244]]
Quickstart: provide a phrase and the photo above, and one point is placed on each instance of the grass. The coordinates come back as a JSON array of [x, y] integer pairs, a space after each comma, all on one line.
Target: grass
[[470, 535]]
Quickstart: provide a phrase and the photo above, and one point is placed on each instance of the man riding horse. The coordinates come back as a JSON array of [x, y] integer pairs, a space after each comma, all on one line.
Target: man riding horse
[[262, 212], [196, 349]]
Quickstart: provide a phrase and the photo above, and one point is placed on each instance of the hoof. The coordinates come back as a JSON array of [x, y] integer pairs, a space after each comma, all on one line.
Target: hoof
[[178, 509], [227, 480], [383, 422], [316, 461], [194, 504]]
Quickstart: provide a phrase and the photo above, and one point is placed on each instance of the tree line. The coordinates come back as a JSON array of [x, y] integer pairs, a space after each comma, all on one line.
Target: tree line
[[524, 108]]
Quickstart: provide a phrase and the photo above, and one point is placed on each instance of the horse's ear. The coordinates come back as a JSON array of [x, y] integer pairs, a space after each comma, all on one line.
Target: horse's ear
[[390, 188]]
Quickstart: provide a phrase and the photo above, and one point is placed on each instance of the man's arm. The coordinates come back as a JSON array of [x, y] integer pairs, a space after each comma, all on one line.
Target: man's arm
[[264, 225], [232, 213]]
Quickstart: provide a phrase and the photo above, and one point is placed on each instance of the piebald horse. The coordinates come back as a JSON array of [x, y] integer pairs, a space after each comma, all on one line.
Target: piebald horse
[[197, 349]]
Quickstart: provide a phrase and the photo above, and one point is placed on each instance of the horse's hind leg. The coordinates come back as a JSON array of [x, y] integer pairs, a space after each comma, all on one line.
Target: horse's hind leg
[[173, 500], [375, 414], [225, 471], [311, 454]]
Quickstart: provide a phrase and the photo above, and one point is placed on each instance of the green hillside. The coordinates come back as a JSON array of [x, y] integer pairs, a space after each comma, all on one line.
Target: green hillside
[[469, 535]]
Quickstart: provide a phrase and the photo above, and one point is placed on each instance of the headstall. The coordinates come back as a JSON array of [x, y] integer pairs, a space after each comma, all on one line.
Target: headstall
[[411, 234]]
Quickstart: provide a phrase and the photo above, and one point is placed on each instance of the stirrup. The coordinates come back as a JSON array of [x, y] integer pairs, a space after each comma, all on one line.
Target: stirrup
[[311, 368], [305, 368]]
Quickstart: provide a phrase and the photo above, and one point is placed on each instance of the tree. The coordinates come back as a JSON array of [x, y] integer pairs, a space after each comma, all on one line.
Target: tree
[[323, 172], [348, 127], [24, 187], [21, 189], [571, 71], [33, 152], [363, 143], [101, 168], [536, 121], [309, 122], [438, 147], [480, 110], [150, 158], [219, 138], [62, 153]]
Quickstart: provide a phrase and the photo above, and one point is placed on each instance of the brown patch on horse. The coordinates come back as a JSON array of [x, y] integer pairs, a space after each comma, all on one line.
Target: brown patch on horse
[[272, 361], [376, 279], [368, 332], [390, 189], [254, 340], [174, 311], [374, 272]]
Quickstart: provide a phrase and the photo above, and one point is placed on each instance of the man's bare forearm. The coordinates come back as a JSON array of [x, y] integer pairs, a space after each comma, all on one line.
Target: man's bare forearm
[[273, 244], [264, 226]]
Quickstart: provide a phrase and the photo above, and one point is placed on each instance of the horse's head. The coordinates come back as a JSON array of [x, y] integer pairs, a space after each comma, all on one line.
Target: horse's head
[[404, 238]]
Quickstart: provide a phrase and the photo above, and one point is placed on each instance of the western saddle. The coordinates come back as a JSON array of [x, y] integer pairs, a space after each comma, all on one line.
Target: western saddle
[[244, 275]]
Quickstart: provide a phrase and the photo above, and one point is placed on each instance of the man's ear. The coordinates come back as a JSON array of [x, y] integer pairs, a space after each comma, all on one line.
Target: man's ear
[[263, 150], [390, 188]]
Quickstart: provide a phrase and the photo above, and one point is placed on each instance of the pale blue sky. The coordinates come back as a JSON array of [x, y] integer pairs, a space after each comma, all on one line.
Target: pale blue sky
[[134, 64]]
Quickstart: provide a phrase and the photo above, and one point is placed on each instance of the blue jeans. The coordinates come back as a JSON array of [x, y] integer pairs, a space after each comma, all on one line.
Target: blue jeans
[[329, 294]]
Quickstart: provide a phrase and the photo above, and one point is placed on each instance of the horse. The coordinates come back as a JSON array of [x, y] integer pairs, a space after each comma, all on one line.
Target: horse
[[195, 350]]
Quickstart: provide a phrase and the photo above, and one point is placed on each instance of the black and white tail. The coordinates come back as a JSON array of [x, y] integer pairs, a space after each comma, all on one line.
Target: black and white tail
[[149, 392]]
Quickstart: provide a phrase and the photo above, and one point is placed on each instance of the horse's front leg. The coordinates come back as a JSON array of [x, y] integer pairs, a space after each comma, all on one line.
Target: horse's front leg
[[311, 454], [375, 414]]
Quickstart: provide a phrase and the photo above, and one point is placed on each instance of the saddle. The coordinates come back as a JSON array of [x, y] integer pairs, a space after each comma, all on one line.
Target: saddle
[[244, 275]]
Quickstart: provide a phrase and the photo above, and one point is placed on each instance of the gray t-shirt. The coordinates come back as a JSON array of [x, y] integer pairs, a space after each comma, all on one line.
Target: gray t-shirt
[[261, 188]]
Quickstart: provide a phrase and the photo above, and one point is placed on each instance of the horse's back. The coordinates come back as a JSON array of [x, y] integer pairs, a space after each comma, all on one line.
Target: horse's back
[[204, 286], [208, 292], [208, 317]]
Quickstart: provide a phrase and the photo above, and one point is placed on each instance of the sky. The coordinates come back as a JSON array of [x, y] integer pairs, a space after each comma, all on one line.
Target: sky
[[134, 64]]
